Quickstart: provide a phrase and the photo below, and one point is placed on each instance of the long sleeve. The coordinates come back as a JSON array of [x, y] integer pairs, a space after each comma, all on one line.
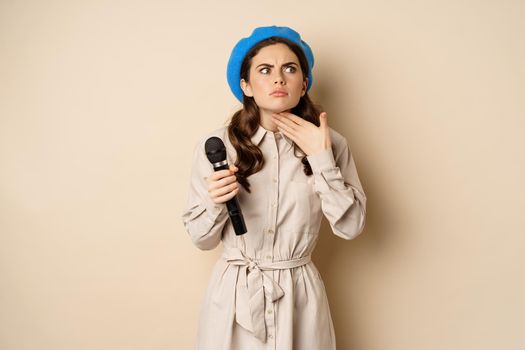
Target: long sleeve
[[203, 219], [343, 200]]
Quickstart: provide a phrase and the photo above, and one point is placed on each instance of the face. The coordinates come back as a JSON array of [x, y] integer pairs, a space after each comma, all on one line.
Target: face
[[275, 67]]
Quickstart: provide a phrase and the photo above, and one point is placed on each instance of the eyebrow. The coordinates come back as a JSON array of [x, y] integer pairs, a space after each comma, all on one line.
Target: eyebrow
[[271, 65]]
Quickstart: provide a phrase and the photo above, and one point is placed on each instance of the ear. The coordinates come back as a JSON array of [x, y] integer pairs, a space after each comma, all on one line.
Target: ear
[[246, 88], [305, 85]]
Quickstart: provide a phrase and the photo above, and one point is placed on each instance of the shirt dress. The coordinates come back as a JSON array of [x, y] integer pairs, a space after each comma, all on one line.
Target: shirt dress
[[264, 291]]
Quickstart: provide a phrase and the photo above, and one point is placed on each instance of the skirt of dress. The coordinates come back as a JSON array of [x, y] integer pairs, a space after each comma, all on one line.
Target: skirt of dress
[[299, 320]]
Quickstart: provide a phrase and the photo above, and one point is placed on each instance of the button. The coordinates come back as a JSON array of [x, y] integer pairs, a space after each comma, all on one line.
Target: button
[[273, 204], [274, 180], [268, 256], [270, 232], [270, 311], [270, 336]]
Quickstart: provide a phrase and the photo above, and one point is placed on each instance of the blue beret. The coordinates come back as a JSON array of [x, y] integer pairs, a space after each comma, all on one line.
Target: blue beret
[[244, 45]]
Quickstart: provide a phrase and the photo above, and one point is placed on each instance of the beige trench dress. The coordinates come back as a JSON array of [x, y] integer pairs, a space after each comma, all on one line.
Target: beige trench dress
[[264, 291]]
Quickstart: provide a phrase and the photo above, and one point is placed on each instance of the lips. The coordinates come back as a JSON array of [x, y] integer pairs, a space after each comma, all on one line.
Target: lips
[[279, 93]]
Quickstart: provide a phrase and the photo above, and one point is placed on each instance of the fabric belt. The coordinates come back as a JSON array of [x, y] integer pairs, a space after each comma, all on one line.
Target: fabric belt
[[253, 285]]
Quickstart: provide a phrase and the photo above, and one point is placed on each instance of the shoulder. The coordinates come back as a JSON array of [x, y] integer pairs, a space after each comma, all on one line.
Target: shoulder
[[340, 147], [336, 137], [339, 142]]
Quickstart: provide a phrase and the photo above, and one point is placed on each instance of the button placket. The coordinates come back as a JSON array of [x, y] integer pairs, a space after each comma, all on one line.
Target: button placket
[[272, 210], [270, 324], [269, 235], [270, 315]]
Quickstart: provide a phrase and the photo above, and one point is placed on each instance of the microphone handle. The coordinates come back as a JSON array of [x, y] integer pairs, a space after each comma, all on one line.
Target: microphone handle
[[234, 210]]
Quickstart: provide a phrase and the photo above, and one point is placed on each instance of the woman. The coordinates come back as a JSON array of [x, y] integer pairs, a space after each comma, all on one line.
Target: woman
[[290, 169]]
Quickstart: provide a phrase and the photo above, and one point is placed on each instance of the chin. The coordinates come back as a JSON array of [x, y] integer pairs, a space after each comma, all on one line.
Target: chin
[[279, 107]]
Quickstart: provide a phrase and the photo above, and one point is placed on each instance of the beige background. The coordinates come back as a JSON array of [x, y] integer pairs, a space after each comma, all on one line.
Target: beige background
[[101, 103]]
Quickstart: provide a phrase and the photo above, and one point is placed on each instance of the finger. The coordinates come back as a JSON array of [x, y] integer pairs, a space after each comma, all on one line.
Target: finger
[[283, 121], [323, 120], [287, 129], [297, 120], [230, 195], [222, 182], [227, 196], [217, 175], [224, 190]]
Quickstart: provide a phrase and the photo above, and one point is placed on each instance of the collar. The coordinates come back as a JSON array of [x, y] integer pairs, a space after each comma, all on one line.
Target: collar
[[261, 132]]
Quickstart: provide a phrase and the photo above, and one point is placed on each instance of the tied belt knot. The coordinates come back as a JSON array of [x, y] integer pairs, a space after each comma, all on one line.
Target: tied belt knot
[[253, 285]]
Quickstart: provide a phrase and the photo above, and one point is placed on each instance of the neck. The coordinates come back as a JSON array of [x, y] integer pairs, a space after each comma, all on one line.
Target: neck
[[266, 120]]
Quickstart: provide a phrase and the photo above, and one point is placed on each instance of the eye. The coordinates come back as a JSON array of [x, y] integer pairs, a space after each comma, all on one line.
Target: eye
[[263, 70], [293, 69]]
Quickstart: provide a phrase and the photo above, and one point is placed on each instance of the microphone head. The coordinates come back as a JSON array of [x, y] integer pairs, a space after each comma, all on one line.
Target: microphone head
[[215, 150]]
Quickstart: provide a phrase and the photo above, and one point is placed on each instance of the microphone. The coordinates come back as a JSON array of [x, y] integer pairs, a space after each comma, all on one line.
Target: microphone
[[216, 153]]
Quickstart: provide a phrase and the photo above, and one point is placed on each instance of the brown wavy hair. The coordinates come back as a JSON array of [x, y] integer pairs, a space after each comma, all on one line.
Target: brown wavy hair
[[244, 122]]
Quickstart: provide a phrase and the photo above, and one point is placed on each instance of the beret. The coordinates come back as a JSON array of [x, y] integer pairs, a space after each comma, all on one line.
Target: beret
[[241, 49]]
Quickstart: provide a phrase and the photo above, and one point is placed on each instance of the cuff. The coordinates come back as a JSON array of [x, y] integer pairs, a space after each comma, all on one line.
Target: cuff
[[323, 160]]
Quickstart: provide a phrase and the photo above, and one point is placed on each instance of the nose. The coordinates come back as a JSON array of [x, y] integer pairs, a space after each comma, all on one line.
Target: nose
[[279, 79]]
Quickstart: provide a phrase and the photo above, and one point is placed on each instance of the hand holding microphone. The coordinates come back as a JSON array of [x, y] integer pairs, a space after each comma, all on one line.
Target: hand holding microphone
[[222, 184]]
